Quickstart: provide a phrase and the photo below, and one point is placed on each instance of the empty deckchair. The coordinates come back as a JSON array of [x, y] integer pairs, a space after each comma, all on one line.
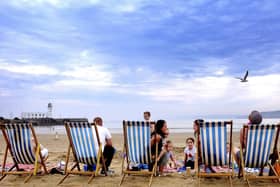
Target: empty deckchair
[[258, 148], [212, 139], [83, 143], [23, 150], [137, 146]]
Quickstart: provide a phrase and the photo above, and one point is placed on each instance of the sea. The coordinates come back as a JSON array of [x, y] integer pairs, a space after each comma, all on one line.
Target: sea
[[175, 126]]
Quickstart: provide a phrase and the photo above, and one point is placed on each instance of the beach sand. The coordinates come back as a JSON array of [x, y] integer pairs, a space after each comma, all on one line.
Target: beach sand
[[57, 152]]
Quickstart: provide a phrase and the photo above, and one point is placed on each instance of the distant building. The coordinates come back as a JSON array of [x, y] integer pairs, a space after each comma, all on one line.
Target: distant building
[[38, 115], [45, 118]]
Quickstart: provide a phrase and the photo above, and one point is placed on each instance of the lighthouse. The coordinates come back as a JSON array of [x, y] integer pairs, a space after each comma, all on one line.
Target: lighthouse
[[50, 107]]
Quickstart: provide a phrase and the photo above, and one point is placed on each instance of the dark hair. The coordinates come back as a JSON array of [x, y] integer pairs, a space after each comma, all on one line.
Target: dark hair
[[255, 117], [198, 121], [147, 112], [160, 123], [97, 119], [168, 142], [190, 138]]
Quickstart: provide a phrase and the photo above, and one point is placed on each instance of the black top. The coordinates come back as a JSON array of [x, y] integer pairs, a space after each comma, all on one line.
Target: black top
[[160, 144]]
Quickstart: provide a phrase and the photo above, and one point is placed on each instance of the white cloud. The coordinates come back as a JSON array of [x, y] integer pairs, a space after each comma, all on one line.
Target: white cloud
[[126, 8], [214, 93], [29, 69], [4, 92], [81, 76]]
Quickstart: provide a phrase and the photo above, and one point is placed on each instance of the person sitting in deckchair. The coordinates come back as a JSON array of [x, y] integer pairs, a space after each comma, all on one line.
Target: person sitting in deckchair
[[158, 136], [255, 118], [107, 144]]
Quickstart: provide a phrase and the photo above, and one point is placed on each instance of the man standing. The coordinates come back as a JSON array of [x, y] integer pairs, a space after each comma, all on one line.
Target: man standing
[[147, 118], [106, 141]]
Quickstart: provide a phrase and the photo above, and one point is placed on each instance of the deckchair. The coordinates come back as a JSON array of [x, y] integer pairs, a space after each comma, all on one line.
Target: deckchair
[[258, 148], [82, 142], [23, 150], [137, 147], [212, 139]]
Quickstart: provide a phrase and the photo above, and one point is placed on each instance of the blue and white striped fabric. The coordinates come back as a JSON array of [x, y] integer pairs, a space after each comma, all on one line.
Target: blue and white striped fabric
[[20, 138], [138, 141], [84, 142], [213, 137], [259, 141]]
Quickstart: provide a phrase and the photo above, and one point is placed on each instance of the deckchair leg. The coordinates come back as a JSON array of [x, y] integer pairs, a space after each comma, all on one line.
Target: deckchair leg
[[2, 177], [122, 178], [230, 181], [4, 163], [198, 178], [61, 181], [5, 158], [67, 174], [248, 182], [28, 177], [151, 180], [91, 177]]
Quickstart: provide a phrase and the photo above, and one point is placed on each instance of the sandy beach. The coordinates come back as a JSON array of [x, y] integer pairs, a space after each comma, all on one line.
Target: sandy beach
[[57, 152]]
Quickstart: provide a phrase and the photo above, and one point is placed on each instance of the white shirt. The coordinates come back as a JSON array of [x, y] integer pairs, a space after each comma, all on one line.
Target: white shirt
[[192, 151], [104, 134]]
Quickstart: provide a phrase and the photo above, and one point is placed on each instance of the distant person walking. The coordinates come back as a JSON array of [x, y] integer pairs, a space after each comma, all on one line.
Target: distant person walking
[[106, 141]]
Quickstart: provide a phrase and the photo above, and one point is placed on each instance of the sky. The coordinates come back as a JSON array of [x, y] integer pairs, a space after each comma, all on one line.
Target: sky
[[117, 59]]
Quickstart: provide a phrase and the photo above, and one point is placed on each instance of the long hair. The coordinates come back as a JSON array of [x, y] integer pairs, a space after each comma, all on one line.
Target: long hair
[[160, 123]]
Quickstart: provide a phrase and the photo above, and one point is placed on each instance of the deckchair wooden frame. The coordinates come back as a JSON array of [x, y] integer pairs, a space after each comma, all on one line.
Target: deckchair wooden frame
[[126, 171], [71, 147], [9, 149], [228, 174], [242, 168]]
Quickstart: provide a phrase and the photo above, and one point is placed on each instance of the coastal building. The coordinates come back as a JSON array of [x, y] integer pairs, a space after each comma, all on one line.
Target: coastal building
[[46, 118]]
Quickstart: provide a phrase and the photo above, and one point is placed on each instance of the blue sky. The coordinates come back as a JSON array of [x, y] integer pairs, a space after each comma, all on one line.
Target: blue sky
[[116, 59]]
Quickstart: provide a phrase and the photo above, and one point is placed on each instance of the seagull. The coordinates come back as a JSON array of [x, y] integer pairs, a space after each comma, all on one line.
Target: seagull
[[244, 79]]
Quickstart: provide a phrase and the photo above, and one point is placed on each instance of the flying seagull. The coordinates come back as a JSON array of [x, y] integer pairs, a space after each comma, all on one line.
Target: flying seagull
[[244, 79]]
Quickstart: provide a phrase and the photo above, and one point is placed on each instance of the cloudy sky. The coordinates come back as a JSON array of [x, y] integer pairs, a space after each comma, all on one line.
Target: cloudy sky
[[178, 59]]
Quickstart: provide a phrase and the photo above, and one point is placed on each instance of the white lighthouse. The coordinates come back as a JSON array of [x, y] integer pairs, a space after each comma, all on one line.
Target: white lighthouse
[[50, 107]]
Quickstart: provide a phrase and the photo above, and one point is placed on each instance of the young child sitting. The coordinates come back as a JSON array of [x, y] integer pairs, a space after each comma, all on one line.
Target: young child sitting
[[166, 158], [189, 152]]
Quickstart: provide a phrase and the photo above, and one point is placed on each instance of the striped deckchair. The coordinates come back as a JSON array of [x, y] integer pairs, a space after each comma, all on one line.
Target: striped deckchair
[[23, 150], [258, 148], [83, 143], [137, 146], [213, 137]]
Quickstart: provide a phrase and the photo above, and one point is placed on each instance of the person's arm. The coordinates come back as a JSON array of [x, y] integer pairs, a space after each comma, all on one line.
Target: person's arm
[[155, 139], [173, 159], [186, 156], [241, 137], [163, 151], [194, 155], [108, 138]]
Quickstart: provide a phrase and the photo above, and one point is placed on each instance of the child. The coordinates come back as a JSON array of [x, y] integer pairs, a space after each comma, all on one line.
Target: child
[[165, 156], [190, 152]]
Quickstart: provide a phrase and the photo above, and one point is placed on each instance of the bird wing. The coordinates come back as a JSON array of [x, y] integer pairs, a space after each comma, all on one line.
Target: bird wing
[[246, 75]]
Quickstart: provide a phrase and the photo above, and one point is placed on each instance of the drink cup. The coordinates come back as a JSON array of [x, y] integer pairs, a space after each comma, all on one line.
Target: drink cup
[[188, 170]]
